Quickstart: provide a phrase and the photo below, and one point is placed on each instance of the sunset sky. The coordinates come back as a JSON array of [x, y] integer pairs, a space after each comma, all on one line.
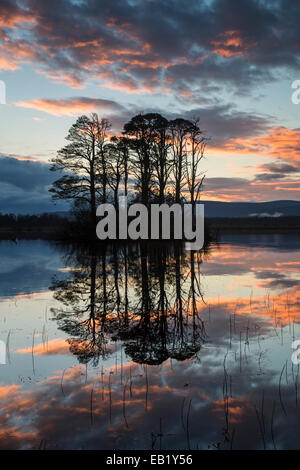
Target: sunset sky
[[232, 63]]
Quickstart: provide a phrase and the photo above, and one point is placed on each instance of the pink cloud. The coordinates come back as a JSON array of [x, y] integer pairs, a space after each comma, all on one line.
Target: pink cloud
[[50, 348], [71, 106]]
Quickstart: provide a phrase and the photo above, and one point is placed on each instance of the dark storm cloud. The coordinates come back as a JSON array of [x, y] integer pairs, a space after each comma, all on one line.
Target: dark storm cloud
[[154, 44], [24, 186], [24, 174]]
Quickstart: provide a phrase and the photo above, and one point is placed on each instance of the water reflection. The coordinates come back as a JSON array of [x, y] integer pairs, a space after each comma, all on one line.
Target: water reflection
[[144, 295], [151, 347]]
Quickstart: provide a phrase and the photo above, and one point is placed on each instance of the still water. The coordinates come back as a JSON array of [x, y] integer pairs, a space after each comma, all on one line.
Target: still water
[[150, 347]]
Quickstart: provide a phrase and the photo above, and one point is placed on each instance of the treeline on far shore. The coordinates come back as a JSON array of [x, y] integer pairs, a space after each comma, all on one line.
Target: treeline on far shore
[[32, 226], [54, 226]]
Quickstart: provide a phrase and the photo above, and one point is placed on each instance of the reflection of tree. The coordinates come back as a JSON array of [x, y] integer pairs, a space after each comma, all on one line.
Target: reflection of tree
[[145, 295], [86, 301]]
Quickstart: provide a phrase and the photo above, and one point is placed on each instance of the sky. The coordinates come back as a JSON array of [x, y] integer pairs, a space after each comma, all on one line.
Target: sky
[[232, 64]]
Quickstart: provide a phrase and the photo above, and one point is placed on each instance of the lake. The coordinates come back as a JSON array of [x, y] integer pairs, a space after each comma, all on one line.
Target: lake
[[150, 346]]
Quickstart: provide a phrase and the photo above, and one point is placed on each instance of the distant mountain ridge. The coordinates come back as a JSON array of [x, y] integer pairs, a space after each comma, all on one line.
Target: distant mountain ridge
[[246, 209], [236, 209], [251, 209]]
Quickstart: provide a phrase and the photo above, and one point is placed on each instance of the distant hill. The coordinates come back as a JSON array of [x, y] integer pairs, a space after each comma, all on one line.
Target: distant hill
[[236, 209], [244, 209], [251, 209]]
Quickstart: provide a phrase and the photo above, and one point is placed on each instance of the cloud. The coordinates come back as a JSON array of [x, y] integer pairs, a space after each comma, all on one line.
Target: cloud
[[243, 189], [275, 215], [225, 123], [160, 45], [280, 168], [24, 186], [53, 347], [269, 176], [276, 171], [25, 183], [24, 174], [37, 261], [279, 142], [232, 43], [11, 14], [72, 106]]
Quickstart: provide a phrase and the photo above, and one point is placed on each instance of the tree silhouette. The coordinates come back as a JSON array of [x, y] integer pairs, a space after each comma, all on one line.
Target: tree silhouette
[[83, 162], [191, 165], [142, 132], [180, 133]]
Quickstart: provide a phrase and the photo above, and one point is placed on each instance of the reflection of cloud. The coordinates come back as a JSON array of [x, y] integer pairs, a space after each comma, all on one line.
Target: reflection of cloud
[[49, 348], [26, 268], [129, 406], [282, 284], [260, 309], [238, 256], [58, 411], [271, 274]]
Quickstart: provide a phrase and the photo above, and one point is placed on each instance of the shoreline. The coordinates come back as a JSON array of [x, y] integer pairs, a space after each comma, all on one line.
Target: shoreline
[[214, 226]]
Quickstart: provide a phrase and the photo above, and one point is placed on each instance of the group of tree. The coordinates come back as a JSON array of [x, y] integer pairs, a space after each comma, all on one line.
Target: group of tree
[[153, 160]]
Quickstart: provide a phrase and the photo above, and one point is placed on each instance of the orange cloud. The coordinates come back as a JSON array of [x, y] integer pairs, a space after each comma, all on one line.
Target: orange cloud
[[240, 189], [6, 64], [236, 407], [70, 106], [12, 54], [50, 348], [12, 20], [7, 391], [231, 44], [281, 142]]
